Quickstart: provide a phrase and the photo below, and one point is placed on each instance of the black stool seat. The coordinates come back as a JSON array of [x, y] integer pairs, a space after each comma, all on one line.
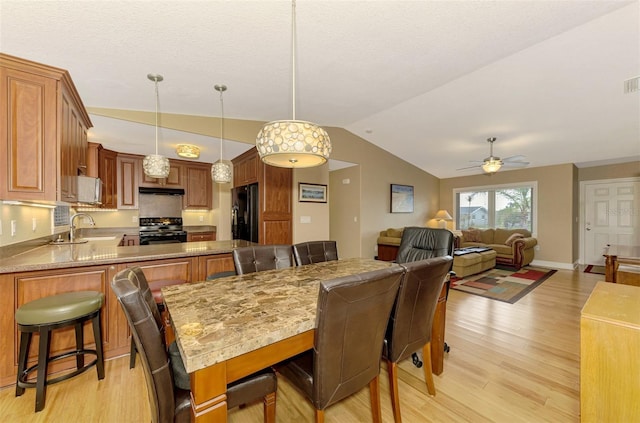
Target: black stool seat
[[46, 314]]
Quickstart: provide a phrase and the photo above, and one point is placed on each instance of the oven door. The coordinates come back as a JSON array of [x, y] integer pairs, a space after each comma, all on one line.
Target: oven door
[[162, 238]]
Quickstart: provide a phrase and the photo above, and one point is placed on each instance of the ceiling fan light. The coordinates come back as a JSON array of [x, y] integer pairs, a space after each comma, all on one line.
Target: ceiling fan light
[[492, 166]]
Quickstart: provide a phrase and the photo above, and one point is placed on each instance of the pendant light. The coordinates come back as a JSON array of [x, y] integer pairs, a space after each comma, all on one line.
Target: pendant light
[[293, 143], [155, 165], [220, 171]]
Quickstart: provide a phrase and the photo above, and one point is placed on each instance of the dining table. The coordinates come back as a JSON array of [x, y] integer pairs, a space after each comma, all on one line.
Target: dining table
[[231, 327]]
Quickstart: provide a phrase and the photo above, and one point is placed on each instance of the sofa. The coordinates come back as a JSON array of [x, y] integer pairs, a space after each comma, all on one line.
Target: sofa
[[514, 247], [388, 243]]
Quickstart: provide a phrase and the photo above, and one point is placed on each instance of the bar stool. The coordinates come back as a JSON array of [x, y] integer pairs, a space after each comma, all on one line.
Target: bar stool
[[46, 314]]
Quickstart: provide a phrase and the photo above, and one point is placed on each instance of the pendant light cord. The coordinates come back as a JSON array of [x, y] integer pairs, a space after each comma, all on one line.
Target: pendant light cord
[[221, 122], [293, 57], [157, 100]]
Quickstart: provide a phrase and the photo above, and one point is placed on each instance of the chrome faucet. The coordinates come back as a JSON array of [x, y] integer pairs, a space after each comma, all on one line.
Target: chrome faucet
[[72, 228]]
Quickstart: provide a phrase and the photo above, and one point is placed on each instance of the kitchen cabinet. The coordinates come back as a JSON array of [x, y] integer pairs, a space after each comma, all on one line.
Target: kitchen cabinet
[[275, 185], [201, 236], [245, 168], [128, 168], [212, 264], [44, 144], [174, 180], [102, 163], [198, 186]]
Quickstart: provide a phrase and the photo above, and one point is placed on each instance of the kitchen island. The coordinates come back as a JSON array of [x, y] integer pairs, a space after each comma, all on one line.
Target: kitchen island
[[53, 269]]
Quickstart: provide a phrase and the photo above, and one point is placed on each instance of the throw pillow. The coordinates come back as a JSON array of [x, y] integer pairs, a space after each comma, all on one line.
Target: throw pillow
[[472, 235], [513, 238], [394, 233]]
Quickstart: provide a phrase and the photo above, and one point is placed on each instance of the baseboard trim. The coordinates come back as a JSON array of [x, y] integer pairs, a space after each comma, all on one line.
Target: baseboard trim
[[553, 264]]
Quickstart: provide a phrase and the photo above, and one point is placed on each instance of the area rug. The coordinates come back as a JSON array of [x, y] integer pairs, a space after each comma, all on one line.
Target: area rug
[[501, 284], [593, 268]]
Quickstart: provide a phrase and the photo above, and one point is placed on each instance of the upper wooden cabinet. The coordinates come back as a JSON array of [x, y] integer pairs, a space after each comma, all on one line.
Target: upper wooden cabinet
[[245, 168], [198, 189], [128, 168], [44, 140], [102, 163], [174, 180]]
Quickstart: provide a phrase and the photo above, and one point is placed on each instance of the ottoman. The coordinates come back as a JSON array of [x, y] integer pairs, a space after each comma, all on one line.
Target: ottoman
[[472, 263]]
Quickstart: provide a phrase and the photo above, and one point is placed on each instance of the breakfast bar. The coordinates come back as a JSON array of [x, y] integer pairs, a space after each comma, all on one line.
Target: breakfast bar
[[231, 327]]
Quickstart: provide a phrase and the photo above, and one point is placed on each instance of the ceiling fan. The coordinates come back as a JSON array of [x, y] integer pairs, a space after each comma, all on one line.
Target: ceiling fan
[[493, 163]]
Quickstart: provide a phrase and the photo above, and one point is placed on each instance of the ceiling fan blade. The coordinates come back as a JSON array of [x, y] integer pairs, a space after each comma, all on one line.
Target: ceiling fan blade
[[515, 164], [469, 167], [513, 158]]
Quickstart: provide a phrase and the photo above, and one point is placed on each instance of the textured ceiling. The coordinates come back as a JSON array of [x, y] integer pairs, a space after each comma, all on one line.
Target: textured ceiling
[[428, 81]]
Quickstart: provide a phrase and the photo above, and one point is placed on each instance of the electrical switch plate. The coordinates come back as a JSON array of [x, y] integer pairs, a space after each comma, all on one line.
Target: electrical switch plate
[[14, 225], [0, 227], [305, 219], [134, 219], [34, 224], [201, 218]]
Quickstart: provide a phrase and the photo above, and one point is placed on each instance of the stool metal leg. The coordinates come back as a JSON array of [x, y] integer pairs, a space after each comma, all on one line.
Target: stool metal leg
[[79, 344], [43, 361], [98, 338], [25, 342]]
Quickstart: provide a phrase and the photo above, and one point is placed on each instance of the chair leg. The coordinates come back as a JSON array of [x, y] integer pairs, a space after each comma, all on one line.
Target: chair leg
[[25, 342], [132, 354], [392, 369], [269, 402], [97, 335], [374, 390], [319, 416], [43, 361], [79, 344], [428, 376]]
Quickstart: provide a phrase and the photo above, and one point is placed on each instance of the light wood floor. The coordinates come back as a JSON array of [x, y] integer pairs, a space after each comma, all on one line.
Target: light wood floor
[[508, 363]]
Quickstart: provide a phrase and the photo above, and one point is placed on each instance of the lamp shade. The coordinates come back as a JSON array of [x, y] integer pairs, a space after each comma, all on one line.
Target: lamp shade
[[156, 166], [221, 172], [187, 150], [443, 215], [293, 143]]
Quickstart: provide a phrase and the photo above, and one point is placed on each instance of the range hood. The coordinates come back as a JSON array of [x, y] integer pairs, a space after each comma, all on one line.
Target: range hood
[[161, 191]]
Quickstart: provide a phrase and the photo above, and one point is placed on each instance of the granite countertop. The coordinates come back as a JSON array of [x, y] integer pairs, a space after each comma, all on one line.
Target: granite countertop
[[219, 320], [197, 229], [107, 251]]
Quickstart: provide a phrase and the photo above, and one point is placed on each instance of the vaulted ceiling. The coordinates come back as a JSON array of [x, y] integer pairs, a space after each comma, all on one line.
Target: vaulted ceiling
[[429, 81]]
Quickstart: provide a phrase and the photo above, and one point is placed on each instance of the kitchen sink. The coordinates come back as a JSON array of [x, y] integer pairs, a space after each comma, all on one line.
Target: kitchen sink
[[66, 242], [98, 238]]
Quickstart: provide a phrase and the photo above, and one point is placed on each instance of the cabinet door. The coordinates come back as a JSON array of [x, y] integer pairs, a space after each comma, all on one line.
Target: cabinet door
[[28, 139], [127, 191], [275, 205], [245, 168], [198, 187], [108, 174], [209, 265], [174, 180]]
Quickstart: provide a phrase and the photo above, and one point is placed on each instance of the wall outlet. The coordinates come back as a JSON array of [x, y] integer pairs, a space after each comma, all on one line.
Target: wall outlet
[[34, 224], [0, 227], [536, 248], [201, 218], [305, 219], [134, 219], [14, 226]]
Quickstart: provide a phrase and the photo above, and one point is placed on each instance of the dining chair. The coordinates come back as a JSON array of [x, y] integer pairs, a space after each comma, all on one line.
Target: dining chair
[[411, 320], [315, 252], [419, 243], [262, 257], [170, 400], [351, 319]]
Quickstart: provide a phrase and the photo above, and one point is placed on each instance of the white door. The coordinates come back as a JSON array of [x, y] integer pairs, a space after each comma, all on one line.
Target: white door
[[611, 216]]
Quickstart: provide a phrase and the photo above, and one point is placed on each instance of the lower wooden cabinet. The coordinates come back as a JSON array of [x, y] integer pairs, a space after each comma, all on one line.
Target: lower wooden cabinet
[[20, 288], [201, 236]]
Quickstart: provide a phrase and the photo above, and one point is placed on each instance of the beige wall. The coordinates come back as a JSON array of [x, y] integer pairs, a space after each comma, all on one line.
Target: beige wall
[[620, 170], [311, 220], [345, 211]]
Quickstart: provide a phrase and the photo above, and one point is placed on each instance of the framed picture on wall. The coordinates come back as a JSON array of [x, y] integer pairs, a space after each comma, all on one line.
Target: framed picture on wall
[[401, 198], [312, 193]]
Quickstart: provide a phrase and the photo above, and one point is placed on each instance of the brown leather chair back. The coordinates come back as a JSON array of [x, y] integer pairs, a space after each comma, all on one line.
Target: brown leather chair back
[[352, 316], [140, 280], [150, 344], [419, 243], [262, 257], [412, 315], [315, 252]]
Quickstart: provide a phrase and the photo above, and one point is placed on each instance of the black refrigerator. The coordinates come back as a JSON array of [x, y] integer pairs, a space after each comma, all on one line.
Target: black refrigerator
[[244, 213]]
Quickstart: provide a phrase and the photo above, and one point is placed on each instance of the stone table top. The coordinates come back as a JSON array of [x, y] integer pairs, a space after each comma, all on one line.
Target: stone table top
[[224, 318]]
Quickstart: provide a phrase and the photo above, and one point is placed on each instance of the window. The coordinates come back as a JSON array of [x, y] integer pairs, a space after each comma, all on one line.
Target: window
[[504, 206]]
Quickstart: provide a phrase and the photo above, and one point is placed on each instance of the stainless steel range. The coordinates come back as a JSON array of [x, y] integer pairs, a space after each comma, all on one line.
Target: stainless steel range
[[161, 230]]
